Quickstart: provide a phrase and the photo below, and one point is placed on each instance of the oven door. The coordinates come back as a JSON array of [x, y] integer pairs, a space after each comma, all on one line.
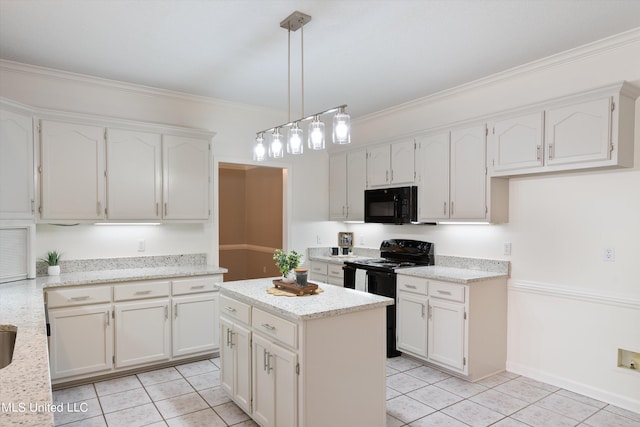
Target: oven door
[[354, 278]]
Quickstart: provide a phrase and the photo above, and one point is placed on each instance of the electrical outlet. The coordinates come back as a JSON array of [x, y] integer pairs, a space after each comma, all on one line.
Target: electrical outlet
[[609, 254], [141, 245], [507, 248]]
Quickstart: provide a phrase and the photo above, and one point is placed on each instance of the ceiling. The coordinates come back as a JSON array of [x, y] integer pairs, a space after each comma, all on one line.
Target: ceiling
[[370, 54]]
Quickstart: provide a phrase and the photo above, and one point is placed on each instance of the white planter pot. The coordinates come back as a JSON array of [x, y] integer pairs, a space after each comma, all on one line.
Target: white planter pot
[[53, 270]]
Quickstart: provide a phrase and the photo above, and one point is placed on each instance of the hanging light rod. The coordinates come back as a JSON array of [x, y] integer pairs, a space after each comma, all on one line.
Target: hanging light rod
[[294, 139], [284, 125]]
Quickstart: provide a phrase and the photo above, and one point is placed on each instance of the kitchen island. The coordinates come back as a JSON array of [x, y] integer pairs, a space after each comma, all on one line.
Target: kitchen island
[[314, 360]]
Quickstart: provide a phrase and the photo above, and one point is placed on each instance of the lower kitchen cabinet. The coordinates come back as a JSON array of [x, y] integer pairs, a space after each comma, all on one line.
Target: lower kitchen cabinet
[[275, 384], [143, 332], [195, 324], [326, 272], [235, 359], [81, 340], [464, 326]]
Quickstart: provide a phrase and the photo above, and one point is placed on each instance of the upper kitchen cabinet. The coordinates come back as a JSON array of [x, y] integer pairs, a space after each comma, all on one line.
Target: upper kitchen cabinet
[[17, 189], [347, 182], [391, 164], [185, 178], [134, 175], [587, 130], [72, 171], [452, 178]]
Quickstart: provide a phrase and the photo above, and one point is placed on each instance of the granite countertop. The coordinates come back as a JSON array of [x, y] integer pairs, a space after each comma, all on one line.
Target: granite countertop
[[334, 300], [451, 274], [25, 384]]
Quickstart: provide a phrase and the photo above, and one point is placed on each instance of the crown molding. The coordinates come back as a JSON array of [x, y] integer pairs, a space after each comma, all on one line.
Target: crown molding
[[88, 80], [591, 49]]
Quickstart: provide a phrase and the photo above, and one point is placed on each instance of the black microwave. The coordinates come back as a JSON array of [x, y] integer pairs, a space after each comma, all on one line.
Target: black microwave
[[397, 205]]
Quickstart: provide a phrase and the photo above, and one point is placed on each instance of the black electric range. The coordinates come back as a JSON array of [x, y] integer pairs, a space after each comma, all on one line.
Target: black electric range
[[380, 275]]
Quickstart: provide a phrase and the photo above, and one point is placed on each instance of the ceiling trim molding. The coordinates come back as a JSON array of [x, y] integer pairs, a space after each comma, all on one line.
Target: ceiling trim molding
[[68, 76], [591, 49]]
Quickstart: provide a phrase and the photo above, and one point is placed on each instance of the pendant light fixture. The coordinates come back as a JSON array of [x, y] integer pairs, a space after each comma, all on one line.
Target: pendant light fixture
[[295, 134]]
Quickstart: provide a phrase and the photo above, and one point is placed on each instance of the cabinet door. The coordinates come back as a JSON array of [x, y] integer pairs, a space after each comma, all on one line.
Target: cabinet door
[[447, 333], [227, 359], [81, 340], [338, 186], [468, 174], [517, 143], [142, 332], [235, 357], [412, 324], [275, 384], [356, 184], [72, 171], [185, 178], [17, 200], [579, 133], [403, 162], [378, 166], [433, 177], [195, 324], [134, 175]]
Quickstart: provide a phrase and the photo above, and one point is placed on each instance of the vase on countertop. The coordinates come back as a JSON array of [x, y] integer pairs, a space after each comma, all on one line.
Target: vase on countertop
[[290, 277], [53, 270]]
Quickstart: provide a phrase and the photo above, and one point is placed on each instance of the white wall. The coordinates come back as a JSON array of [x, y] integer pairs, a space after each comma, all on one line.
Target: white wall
[[569, 311]]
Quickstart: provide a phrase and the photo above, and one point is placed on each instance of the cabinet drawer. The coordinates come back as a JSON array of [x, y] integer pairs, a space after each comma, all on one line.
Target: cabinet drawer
[[235, 309], [276, 327], [416, 285], [319, 267], [335, 270], [195, 285], [144, 290], [448, 291], [80, 295]]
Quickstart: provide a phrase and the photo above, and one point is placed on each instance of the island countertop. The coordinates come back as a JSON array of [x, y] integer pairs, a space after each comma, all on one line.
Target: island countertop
[[332, 301]]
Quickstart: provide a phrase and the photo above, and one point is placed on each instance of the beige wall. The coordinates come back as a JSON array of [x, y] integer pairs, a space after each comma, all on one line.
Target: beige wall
[[250, 220]]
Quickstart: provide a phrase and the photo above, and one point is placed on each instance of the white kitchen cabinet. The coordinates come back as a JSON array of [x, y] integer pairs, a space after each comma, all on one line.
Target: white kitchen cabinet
[[347, 182], [195, 326], [275, 384], [17, 189], [335, 274], [235, 351], [465, 327], [432, 163], [391, 164], [411, 316], [72, 170], [591, 129], [468, 174], [134, 175], [318, 271], [186, 175], [447, 333], [143, 332], [517, 143]]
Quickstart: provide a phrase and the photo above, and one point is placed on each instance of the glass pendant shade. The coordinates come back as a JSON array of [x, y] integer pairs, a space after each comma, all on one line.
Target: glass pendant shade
[[341, 127], [259, 151], [276, 149], [316, 134], [294, 142]]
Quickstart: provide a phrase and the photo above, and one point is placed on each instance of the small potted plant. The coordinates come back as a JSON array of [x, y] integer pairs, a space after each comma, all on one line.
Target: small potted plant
[[53, 261], [287, 263]]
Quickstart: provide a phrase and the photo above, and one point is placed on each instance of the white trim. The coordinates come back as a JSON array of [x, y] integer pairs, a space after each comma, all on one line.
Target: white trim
[[247, 247], [557, 60], [588, 295], [616, 399]]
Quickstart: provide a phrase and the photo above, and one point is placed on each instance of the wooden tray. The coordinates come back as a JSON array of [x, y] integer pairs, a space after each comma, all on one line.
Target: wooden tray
[[292, 287]]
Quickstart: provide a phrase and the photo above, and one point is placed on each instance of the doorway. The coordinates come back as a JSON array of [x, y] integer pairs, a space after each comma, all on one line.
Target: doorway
[[250, 219]]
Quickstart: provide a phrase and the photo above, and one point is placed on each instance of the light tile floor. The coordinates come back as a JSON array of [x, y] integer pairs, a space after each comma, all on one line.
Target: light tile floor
[[417, 396]]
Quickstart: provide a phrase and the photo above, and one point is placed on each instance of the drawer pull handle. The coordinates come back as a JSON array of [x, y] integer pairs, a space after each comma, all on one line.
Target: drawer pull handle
[[410, 286], [143, 292], [230, 309], [198, 287], [268, 326], [79, 298], [444, 292]]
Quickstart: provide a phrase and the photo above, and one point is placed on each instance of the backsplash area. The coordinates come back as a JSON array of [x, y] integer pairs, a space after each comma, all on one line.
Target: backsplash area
[[72, 266]]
